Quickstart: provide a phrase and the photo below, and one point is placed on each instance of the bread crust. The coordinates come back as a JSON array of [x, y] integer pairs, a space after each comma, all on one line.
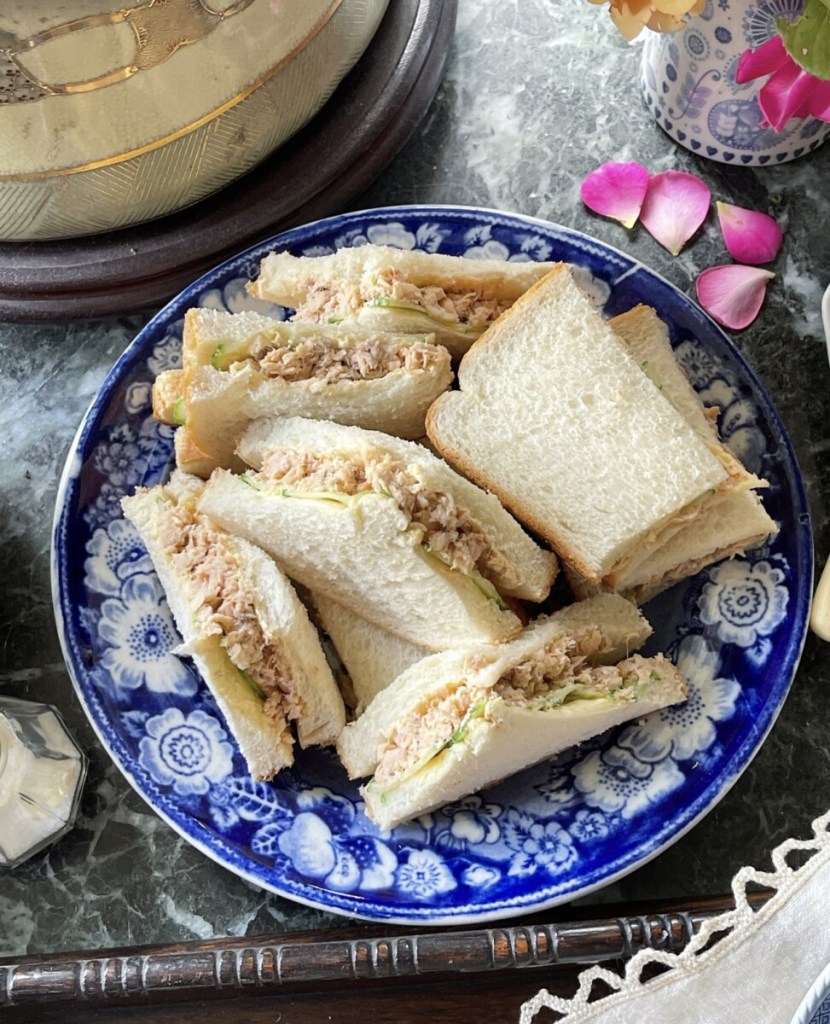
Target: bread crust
[[285, 278], [365, 556], [593, 546], [283, 619], [168, 388]]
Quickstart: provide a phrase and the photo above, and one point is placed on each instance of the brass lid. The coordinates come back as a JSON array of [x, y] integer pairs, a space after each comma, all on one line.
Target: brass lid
[[80, 90]]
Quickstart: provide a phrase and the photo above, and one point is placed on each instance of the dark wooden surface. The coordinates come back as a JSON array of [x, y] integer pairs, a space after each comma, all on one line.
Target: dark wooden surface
[[320, 171]]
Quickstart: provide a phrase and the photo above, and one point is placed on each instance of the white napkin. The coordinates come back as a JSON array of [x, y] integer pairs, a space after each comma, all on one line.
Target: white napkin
[[758, 973]]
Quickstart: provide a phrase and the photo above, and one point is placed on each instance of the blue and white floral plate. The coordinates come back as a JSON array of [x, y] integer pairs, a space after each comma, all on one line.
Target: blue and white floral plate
[[815, 1006], [554, 832]]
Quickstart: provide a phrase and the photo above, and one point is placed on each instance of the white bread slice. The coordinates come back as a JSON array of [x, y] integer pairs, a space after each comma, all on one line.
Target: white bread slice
[[625, 629], [646, 337], [312, 700], [354, 273], [738, 523], [735, 519], [285, 279], [363, 554], [528, 570], [372, 656], [494, 736], [168, 397], [190, 458], [558, 420], [733, 524], [511, 739], [224, 390]]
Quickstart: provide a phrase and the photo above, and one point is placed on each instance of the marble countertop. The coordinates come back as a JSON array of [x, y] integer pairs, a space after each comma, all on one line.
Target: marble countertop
[[536, 94]]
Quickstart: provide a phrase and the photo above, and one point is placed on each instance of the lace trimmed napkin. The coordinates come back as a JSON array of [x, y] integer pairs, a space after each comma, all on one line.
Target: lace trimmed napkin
[[758, 970]]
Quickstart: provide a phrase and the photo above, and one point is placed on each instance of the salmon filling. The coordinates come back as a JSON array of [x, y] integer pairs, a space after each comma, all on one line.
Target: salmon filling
[[548, 677], [366, 359], [324, 302], [448, 530], [224, 607]]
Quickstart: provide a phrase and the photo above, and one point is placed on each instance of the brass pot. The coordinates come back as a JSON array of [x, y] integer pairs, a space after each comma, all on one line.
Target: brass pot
[[114, 114]]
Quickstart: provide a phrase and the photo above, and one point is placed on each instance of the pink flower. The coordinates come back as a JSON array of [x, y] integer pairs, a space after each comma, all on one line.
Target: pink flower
[[790, 91]]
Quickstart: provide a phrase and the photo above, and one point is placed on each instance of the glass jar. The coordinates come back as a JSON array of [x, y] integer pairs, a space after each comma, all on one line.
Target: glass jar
[[42, 772]]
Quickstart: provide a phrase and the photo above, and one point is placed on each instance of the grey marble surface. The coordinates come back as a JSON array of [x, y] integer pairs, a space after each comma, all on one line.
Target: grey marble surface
[[537, 93]]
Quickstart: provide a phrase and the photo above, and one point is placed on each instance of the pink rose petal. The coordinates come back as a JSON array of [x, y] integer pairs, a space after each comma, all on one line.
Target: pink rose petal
[[820, 101], [750, 236], [768, 58], [675, 206], [790, 91], [616, 190], [733, 294], [784, 95]]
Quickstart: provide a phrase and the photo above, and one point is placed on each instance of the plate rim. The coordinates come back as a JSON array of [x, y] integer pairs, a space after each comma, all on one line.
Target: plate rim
[[816, 994], [343, 903]]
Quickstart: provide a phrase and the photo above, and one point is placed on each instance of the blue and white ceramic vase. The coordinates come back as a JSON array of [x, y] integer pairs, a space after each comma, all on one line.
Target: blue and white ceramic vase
[[688, 81]]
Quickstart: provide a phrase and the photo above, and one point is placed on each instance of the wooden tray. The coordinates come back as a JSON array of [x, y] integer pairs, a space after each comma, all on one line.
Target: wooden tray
[[319, 171]]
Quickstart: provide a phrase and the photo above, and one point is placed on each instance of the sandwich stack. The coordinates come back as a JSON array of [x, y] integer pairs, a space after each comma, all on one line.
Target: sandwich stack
[[625, 478], [569, 439]]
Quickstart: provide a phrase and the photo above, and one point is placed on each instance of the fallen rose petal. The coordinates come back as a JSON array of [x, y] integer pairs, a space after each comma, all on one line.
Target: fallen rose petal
[[733, 294], [675, 206], [750, 236], [616, 190]]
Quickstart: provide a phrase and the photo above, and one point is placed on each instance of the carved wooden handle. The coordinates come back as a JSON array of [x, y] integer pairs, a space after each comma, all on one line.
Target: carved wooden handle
[[296, 960]]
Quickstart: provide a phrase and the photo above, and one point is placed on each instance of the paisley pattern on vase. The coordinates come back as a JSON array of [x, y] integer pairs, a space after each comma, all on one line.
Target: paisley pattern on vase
[[534, 840], [688, 82]]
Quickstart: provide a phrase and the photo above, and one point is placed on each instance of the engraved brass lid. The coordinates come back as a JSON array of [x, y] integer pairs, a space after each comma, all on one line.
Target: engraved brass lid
[[112, 114]]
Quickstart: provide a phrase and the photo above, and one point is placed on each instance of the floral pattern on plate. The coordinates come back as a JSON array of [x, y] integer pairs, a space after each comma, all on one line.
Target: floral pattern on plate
[[553, 832]]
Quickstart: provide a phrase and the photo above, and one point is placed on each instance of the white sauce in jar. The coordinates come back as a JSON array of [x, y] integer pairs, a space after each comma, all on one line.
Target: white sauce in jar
[[38, 787]]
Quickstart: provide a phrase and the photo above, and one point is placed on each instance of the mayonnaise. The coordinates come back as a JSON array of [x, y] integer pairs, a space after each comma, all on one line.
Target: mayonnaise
[[41, 776]]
